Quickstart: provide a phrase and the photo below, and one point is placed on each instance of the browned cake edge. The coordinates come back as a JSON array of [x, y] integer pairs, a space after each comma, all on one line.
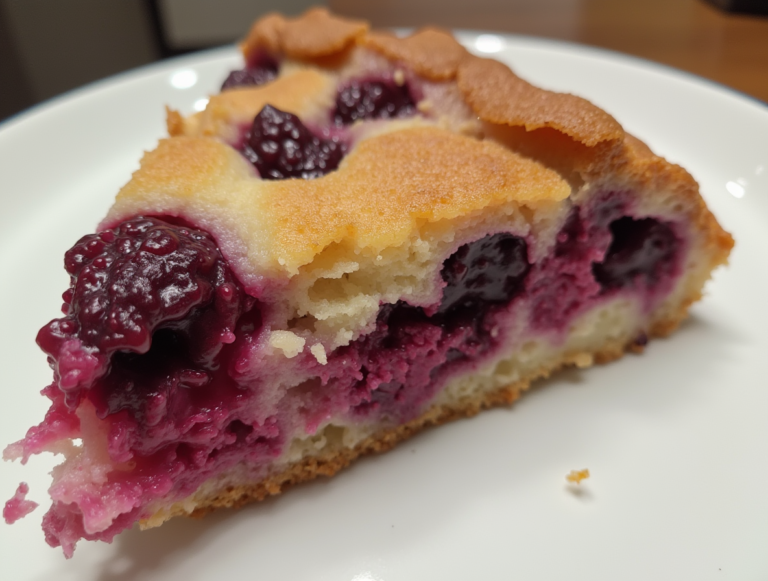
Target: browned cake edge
[[434, 54], [315, 34]]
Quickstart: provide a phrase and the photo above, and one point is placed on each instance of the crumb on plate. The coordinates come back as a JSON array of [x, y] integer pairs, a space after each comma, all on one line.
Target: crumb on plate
[[576, 476]]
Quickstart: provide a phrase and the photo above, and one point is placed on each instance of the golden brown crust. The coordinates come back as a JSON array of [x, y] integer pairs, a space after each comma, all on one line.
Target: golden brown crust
[[184, 167], [390, 182], [314, 34], [430, 52], [499, 96], [301, 93], [386, 186], [369, 201], [493, 91]]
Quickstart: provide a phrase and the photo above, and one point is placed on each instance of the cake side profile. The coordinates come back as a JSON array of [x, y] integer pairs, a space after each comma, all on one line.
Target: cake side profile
[[360, 236]]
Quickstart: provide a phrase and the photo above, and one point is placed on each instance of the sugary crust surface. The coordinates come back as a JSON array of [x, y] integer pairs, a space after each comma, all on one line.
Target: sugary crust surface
[[384, 189], [315, 34], [493, 91], [306, 93], [403, 178], [430, 52], [388, 185], [393, 183], [499, 96]]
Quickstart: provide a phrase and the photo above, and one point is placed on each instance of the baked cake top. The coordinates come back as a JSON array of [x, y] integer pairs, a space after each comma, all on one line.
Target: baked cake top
[[440, 164], [493, 91], [385, 187]]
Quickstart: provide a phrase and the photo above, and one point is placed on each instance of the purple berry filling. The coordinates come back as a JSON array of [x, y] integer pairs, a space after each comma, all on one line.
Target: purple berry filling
[[172, 336], [403, 363], [489, 271], [600, 251], [373, 99], [641, 254], [157, 314], [280, 146], [128, 282], [260, 69]]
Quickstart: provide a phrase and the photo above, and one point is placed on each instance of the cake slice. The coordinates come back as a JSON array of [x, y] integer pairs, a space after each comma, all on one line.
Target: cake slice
[[359, 237]]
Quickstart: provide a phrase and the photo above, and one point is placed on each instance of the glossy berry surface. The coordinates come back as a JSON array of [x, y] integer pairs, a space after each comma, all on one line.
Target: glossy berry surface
[[372, 100], [281, 146], [641, 253], [489, 270], [128, 281]]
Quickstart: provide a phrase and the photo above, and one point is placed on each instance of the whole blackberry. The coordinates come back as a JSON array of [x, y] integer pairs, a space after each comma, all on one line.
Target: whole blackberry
[[127, 282], [372, 100], [280, 146]]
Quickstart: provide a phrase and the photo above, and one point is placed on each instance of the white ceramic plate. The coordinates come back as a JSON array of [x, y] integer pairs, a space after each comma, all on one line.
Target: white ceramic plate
[[676, 440]]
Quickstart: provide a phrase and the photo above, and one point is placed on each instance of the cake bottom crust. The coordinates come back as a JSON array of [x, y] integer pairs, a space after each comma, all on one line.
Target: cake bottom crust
[[328, 463]]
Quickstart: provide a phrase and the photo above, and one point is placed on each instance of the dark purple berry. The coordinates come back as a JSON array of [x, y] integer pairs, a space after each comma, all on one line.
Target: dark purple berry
[[281, 147], [489, 270], [372, 100], [127, 282], [409, 353], [259, 71], [642, 252]]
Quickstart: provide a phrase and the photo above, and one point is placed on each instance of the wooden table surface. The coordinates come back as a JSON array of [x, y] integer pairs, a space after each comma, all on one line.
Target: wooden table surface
[[692, 35]]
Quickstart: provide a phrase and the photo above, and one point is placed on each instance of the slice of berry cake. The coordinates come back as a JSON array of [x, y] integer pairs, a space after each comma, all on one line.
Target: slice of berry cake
[[360, 236]]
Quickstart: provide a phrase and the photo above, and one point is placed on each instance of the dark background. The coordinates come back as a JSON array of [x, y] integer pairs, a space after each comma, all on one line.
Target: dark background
[[50, 46]]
